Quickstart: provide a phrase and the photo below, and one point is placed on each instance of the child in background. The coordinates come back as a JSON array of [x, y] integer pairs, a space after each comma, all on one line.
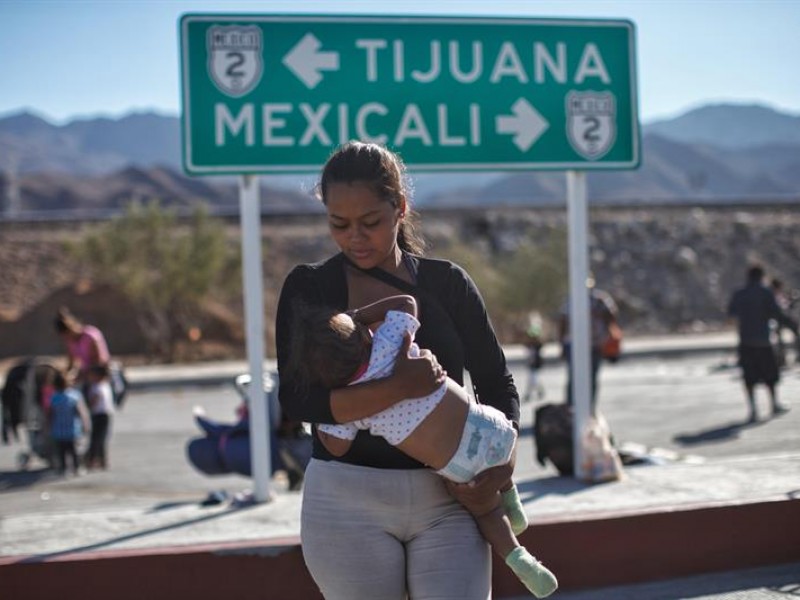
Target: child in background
[[534, 343], [101, 408], [457, 437], [67, 420]]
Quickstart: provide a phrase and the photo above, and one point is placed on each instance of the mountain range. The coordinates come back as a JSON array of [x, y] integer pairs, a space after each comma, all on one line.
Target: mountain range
[[712, 154]]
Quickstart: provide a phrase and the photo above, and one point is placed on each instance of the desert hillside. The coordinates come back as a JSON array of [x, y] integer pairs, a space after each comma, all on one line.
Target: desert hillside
[[671, 269]]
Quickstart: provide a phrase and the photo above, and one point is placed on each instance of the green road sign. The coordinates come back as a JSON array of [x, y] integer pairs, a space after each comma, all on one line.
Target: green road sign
[[275, 94]]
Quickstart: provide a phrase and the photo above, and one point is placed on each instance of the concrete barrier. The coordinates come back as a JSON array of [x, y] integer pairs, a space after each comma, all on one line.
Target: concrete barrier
[[585, 552]]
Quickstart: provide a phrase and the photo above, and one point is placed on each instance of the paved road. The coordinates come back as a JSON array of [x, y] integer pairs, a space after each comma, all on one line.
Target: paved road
[[689, 408], [685, 409]]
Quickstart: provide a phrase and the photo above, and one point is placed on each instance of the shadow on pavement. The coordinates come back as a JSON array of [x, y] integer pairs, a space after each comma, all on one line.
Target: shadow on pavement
[[162, 506], [132, 536], [717, 434], [532, 489], [10, 480]]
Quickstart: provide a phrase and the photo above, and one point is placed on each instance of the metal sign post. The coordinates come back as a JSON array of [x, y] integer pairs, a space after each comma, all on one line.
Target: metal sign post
[[250, 222], [580, 363]]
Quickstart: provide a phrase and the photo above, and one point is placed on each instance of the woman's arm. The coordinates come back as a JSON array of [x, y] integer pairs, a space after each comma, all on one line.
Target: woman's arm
[[84, 416], [483, 355], [70, 357], [94, 352]]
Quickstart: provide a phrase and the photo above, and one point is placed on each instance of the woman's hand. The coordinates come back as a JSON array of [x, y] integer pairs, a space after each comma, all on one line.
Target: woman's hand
[[481, 495], [417, 376]]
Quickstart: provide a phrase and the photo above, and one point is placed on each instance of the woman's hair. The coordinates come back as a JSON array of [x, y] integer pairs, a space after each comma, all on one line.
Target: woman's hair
[[321, 351], [384, 172], [66, 322]]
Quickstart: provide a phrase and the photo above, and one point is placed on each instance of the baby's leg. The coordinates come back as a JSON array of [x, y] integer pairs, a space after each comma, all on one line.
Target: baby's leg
[[513, 507], [496, 529]]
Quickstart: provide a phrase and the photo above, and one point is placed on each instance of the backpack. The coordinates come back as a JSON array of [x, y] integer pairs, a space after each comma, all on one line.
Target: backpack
[[552, 431], [552, 434], [119, 383]]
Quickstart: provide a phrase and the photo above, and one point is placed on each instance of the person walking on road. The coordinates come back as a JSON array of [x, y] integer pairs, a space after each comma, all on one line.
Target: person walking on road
[[85, 344], [753, 306], [376, 523], [785, 302], [534, 344], [602, 319]]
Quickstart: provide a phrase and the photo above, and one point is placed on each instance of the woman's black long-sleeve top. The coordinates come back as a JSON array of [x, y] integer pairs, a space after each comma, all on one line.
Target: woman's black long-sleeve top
[[455, 327]]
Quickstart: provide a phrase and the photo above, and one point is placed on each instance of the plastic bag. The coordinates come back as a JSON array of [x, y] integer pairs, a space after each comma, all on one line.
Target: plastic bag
[[600, 460]]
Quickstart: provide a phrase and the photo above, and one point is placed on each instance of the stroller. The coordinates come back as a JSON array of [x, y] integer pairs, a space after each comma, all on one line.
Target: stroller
[[26, 398], [225, 447]]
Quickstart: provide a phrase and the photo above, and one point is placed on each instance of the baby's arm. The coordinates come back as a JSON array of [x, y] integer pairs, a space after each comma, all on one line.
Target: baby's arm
[[372, 313]]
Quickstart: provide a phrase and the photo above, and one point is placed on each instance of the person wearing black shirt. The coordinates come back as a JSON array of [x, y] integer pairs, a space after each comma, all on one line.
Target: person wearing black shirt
[[753, 306], [376, 523]]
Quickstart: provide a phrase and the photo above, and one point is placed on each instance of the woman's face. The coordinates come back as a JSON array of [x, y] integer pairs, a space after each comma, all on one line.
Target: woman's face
[[363, 225]]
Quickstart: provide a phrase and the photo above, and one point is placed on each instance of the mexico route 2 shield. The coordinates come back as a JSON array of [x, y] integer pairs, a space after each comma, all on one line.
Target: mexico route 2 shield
[[591, 122], [234, 58]]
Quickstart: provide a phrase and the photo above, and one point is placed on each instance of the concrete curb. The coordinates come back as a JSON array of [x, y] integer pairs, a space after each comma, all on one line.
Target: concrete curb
[[585, 552]]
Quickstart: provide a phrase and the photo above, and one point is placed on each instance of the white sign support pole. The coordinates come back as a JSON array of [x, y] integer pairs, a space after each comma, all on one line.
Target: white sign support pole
[[580, 358], [250, 224]]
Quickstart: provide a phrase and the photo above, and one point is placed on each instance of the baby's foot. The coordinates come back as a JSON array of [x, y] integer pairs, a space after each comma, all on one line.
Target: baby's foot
[[534, 575]]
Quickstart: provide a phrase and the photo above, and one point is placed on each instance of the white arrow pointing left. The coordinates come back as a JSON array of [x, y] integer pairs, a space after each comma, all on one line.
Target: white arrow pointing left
[[306, 61], [526, 124]]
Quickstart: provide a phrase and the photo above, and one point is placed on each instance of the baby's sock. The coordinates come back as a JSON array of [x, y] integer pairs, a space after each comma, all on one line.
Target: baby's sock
[[537, 578], [512, 505]]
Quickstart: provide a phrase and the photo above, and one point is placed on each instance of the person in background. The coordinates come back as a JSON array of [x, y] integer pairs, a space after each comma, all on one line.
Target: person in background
[[67, 421], [376, 523], [602, 316], [785, 303], [534, 344], [753, 306], [86, 345], [101, 408], [224, 447]]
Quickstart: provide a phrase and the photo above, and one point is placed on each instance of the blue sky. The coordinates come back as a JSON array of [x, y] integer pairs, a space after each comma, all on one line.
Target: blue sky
[[79, 58]]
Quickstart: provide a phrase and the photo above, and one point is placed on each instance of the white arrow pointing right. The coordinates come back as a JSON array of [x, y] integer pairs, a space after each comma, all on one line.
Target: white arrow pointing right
[[306, 61], [526, 124]]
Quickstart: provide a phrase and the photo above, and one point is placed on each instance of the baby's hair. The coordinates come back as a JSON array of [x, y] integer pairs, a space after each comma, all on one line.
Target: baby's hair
[[321, 350]]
